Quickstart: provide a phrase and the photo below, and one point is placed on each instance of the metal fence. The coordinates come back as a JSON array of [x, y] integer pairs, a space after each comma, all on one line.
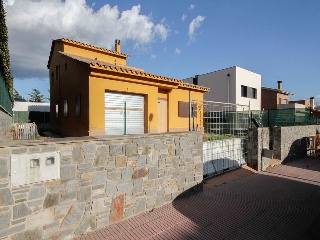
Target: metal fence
[[225, 129], [284, 117], [5, 102]]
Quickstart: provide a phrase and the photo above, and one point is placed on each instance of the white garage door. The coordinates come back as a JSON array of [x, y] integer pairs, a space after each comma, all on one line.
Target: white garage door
[[124, 113]]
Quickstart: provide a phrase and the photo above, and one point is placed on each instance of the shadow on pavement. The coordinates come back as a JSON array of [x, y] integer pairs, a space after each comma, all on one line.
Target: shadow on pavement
[[282, 203]]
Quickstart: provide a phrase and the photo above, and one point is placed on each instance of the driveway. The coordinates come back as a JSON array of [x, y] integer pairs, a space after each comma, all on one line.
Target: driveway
[[280, 203]]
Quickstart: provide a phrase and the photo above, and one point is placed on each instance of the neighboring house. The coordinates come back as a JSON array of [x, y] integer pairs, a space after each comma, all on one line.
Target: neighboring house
[[308, 103], [94, 92], [231, 85], [26, 112], [272, 97]]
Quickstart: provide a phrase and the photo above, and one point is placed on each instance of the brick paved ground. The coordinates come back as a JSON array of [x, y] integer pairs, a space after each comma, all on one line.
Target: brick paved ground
[[280, 203]]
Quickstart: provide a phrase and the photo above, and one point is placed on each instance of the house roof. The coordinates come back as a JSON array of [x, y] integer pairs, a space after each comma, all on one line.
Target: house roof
[[84, 45], [94, 63], [277, 90]]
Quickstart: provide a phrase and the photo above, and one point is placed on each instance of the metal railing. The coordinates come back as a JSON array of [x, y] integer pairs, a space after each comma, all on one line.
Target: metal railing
[[225, 132]]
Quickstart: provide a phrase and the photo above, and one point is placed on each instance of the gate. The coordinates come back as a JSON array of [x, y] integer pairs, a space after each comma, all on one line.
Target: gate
[[225, 134]]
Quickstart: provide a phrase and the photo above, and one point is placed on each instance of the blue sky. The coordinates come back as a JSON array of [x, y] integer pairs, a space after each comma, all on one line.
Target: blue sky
[[179, 39]]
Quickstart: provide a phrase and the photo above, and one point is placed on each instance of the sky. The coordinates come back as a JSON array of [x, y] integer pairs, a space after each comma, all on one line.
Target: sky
[[280, 40]]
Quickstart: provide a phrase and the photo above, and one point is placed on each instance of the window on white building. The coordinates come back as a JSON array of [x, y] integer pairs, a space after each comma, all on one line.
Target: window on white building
[[244, 91]]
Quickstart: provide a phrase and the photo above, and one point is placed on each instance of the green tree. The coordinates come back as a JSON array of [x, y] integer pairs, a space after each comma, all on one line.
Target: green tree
[[4, 52], [16, 94], [36, 96]]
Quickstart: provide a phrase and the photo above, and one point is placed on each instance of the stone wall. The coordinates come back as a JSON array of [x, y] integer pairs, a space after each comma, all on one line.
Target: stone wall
[[5, 124], [287, 144], [258, 139], [102, 181], [287, 140]]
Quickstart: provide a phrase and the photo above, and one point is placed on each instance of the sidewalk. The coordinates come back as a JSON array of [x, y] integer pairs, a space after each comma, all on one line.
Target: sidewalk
[[280, 203]]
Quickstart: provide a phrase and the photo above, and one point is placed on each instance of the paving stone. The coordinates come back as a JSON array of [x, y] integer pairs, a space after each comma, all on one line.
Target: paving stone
[[72, 186], [38, 192], [6, 197], [125, 187], [117, 208], [12, 230], [116, 150], [5, 218], [88, 148], [77, 154], [140, 173], [153, 173], [52, 199], [137, 186], [20, 211], [3, 168], [99, 178], [74, 215], [127, 174], [34, 234], [101, 156], [131, 149], [111, 188], [140, 206], [84, 194], [68, 172]]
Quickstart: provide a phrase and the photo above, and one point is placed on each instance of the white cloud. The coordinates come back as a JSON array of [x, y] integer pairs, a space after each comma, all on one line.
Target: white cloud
[[152, 56], [176, 32], [161, 31], [177, 51], [183, 17], [195, 23], [191, 7], [32, 25]]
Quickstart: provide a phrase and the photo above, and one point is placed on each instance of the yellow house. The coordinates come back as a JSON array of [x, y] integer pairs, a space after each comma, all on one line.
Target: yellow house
[[93, 92]]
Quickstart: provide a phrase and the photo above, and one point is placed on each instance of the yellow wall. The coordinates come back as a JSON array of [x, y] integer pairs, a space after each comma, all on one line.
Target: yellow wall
[[180, 124], [95, 53], [98, 87]]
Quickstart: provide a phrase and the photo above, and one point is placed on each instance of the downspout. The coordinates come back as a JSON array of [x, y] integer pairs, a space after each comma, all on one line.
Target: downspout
[[228, 75]]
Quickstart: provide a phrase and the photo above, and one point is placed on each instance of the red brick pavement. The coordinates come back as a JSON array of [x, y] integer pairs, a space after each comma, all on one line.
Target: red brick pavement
[[280, 203]]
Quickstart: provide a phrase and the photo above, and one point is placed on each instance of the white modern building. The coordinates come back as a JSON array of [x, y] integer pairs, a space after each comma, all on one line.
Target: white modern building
[[231, 85]]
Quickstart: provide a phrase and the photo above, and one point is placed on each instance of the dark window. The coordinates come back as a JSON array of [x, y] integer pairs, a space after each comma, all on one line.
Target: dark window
[[57, 72], [52, 79], [78, 105], [244, 91], [184, 109], [254, 93], [65, 66]]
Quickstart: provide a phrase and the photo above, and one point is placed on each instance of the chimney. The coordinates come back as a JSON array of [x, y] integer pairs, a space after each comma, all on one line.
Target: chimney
[[280, 85], [312, 102], [195, 80], [117, 46]]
